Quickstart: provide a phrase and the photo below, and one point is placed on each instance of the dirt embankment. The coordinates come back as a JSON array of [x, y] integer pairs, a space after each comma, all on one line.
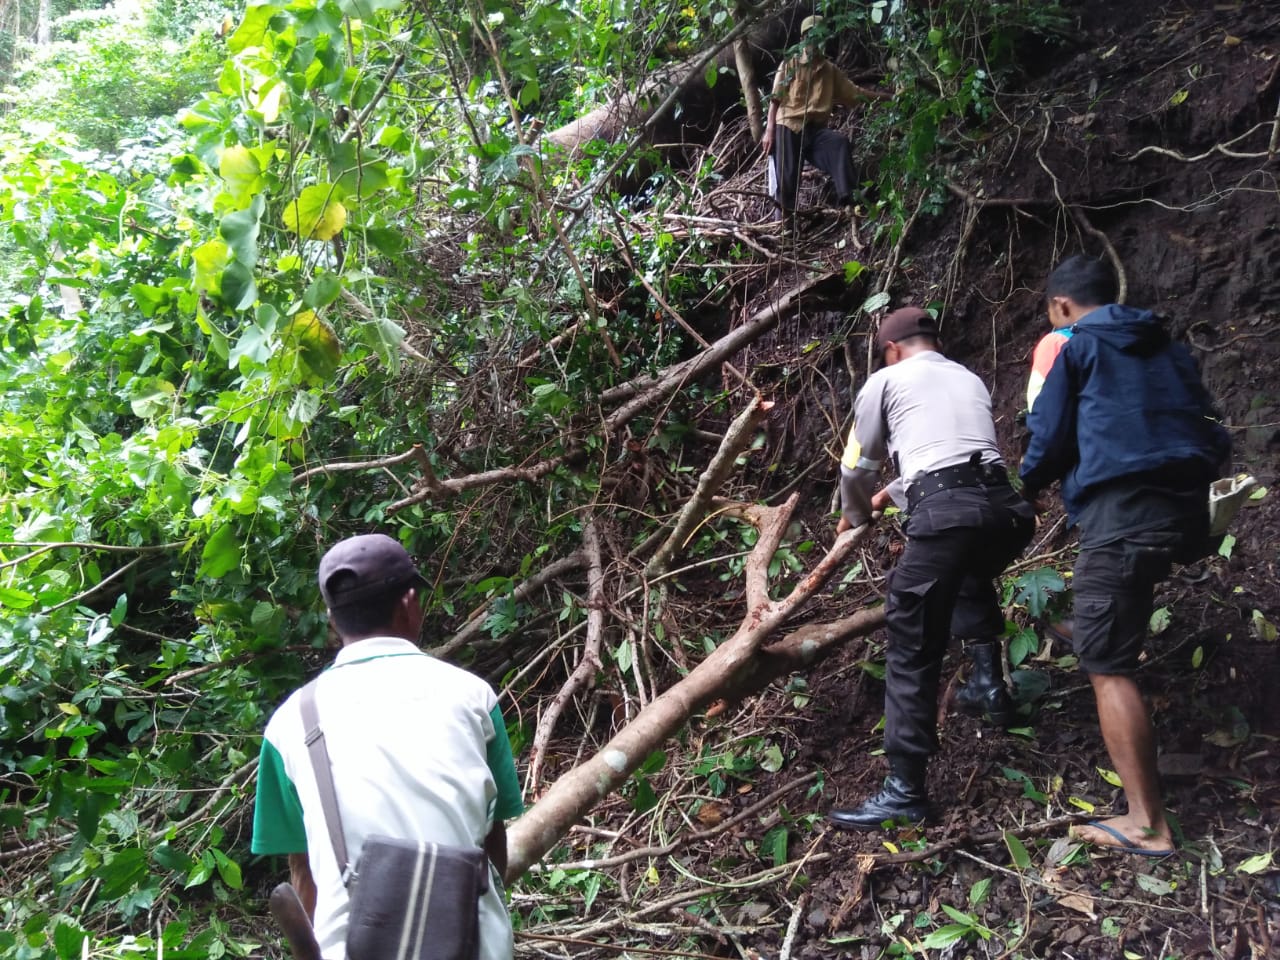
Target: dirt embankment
[[1151, 140]]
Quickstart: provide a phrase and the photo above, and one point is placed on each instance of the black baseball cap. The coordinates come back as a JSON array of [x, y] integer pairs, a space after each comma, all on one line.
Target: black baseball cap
[[358, 568], [903, 324]]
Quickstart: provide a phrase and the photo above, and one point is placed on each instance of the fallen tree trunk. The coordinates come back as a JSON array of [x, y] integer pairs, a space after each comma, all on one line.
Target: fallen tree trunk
[[572, 795], [676, 105]]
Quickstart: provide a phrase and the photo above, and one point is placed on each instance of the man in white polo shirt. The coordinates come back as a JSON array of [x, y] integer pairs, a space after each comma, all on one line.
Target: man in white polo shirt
[[418, 748]]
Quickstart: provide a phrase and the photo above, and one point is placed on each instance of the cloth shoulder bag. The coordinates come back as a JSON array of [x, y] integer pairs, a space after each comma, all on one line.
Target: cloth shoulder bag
[[410, 900]]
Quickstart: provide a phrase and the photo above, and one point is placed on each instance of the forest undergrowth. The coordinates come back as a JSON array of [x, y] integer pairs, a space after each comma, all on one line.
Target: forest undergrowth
[[380, 273]]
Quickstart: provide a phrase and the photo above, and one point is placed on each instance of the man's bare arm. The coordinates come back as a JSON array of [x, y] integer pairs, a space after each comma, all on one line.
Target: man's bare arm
[[303, 882], [495, 845]]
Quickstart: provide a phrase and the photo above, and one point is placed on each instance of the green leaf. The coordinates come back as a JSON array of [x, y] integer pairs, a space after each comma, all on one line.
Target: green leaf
[[1258, 494], [877, 301], [262, 614], [1153, 884], [253, 28], [1228, 544], [1263, 628], [240, 230], [945, 936], [774, 845], [228, 870], [315, 214], [150, 397], [171, 858], [384, 337], [238, 288], [1255, 864], [323, 290], [771, 759], [1110, 776], [711, 74], [959, 916], [1034, 588], [120, 610], [148, 298], [363, 9], [15, 599], [1159, 622], [1021, 859], [980, 891], [240, 169], [221, 553], [646, 798], [209, 260], [68, 940], [1179, 97]]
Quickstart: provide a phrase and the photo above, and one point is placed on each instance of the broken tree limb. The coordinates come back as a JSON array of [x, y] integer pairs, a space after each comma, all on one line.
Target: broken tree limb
[[416, 452], [584, 673], [760, 323], [475, 623], [798, 650], [638, 395], [736, 439], [541, 828], [649, 113]]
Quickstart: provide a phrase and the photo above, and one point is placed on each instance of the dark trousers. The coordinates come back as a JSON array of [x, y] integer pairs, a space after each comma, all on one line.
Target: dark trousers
[[958, 541], [825, 149]]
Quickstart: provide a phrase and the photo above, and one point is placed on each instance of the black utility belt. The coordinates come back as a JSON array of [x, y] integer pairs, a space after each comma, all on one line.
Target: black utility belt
[[949, 478]]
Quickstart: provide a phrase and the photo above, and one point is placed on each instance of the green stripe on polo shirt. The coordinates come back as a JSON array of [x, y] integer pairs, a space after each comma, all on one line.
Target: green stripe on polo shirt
[[503, 767], [277, 811]]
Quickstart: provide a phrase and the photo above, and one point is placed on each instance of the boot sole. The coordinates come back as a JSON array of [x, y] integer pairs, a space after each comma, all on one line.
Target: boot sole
[[894, 823]]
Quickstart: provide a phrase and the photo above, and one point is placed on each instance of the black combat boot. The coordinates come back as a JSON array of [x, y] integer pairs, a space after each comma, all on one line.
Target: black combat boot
[[903, 799], [984, 693]]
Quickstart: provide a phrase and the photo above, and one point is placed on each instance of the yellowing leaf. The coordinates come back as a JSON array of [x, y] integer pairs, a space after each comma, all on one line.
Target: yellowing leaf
[[1084, 805], [1179, 97], [1110, 776], [70, 709], [241, 171], [316, 215], [210, 260], [652, 875], [269, 99], [1263, 628], [316, 343]]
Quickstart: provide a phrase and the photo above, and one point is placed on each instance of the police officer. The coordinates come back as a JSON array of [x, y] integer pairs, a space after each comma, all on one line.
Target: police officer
[[932, 417]]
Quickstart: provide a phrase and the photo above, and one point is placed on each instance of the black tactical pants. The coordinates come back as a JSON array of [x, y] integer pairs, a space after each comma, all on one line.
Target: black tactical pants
[[824, 148], [958, 541]]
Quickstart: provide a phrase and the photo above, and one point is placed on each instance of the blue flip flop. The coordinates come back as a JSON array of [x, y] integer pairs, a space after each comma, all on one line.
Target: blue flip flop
[[1126, 845]]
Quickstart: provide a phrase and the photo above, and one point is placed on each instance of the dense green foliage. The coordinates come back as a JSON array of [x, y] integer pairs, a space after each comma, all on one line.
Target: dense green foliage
[[340, 246]]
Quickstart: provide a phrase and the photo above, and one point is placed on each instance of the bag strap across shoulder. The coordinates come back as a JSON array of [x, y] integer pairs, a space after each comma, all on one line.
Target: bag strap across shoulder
[[319, 753]]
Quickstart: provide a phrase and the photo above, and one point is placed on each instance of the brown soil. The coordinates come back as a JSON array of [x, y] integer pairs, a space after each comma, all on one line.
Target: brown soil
[[1198, 241]]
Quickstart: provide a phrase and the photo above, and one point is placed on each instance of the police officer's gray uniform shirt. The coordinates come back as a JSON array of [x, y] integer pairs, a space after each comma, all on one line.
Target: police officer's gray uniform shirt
[[927, 412]]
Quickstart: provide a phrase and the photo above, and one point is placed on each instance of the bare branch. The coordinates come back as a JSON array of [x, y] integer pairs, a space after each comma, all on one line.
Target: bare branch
[[528, 587], [736, 439], [588, 666]]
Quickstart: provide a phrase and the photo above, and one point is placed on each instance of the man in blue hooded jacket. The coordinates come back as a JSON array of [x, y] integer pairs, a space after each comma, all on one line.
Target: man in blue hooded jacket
[[1127, 426]]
